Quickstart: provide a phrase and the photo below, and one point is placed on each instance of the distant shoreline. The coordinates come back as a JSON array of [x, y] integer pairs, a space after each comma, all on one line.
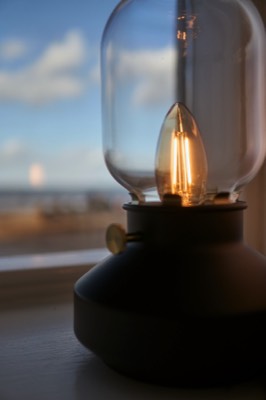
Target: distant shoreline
[[56, 200], [55, 226], [58, 190]]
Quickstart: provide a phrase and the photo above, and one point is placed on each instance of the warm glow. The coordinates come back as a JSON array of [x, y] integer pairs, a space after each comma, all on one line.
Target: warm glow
[[188, 162], [181, 35], [180, 162], [180, 145], [174, 168], [36, 175], [181, 166]]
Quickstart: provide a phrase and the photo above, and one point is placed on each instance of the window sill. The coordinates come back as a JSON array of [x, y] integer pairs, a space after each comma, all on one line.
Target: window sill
[[40, 356], [43, 278]]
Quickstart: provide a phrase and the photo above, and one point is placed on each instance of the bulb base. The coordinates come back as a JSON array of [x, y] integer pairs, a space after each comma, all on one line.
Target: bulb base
[[183, 306]]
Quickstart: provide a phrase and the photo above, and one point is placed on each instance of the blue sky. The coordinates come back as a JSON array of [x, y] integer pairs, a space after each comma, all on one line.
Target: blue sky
[[50, 101], [50, 110]]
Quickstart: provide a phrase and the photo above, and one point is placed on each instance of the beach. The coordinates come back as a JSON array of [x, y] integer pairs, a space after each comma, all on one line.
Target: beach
[[57, 225]]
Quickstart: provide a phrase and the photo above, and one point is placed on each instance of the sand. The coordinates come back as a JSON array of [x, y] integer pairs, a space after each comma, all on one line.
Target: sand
[[36, 232]]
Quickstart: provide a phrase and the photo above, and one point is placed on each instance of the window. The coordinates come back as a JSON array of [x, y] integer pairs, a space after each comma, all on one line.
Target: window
[[255, 218], [255, 193], [55, 191]]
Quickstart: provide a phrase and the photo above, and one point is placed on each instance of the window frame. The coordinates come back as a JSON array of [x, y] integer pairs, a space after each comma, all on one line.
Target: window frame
[[255, 216], [18, 273], [30, 279]]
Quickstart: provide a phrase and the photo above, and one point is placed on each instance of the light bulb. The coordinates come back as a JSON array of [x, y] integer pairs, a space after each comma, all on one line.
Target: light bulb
[[181, 164]]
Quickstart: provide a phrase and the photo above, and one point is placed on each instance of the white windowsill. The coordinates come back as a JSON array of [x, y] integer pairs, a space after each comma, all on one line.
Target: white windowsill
[[46, 278], [40, 355], [51, 260]]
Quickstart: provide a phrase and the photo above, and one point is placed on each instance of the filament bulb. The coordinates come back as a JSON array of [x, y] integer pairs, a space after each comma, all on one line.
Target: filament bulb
[[181, 165]]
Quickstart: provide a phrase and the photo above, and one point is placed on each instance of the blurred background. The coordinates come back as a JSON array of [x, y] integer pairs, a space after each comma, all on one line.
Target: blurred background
[[55, 191]]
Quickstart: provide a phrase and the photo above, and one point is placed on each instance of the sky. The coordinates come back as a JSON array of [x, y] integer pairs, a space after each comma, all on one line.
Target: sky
[[50, 92], [50, 106], [50, 89]]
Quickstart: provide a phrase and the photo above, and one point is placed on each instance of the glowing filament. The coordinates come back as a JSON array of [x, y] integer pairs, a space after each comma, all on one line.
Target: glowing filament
[[181, 166], [174, 163], [187, 158]]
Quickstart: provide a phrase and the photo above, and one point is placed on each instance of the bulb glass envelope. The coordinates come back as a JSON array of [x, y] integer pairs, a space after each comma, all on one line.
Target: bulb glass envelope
[[208, 55], [181, 166]]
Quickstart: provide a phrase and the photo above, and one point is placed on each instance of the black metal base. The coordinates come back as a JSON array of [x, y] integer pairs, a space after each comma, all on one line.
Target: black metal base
[[185, 306]]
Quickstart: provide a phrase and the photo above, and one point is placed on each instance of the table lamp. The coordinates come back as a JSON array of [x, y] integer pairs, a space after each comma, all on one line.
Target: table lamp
[[182, 300]]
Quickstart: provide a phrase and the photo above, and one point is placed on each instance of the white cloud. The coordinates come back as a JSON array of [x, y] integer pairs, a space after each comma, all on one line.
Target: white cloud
[[75, 156], [38, 89], [55, 75], [95, 74], [77, 166], [12, 152], [62, 56], [13, 49], [152, 71]]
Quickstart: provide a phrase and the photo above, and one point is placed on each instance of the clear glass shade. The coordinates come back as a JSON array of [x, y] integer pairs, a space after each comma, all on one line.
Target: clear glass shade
[[208, 56]]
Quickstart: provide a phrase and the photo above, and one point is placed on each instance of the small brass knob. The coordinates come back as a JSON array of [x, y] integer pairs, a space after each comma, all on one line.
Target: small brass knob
[[117, 238]]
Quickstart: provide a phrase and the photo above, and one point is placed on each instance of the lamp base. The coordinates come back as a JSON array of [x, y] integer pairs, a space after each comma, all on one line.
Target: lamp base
[[184, 306]]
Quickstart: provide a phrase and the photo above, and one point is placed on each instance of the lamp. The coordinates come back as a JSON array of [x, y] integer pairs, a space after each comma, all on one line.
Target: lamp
[[183, 299]]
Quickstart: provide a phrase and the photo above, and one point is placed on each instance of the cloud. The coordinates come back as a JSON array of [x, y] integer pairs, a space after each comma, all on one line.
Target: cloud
[[73, 156], [13, 49], [55, 75], [76, 166], [13, 152], [58, 73], [32, 89], [62, 56], [95, 74], [151, 71]]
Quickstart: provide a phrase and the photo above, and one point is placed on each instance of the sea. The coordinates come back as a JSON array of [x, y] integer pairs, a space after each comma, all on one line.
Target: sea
[[60, 200]]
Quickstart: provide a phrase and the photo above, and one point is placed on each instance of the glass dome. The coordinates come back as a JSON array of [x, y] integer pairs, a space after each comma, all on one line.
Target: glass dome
[[208, 55]]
